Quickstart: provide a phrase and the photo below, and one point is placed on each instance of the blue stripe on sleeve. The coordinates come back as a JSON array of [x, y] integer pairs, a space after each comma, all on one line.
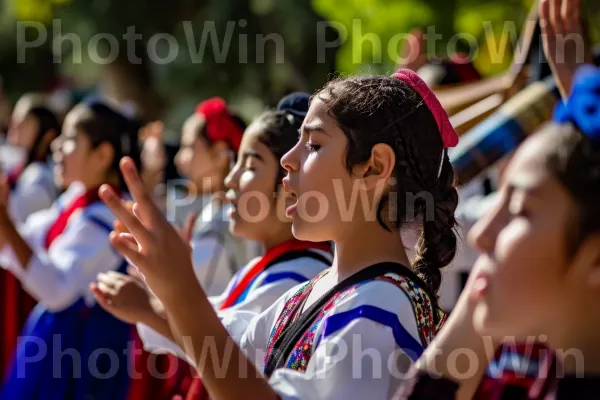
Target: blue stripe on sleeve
[[403, 339], [100, 223], [279, 276]]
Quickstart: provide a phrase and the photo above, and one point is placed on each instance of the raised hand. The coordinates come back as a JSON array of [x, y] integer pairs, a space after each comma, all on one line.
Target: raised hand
[[566, 42], [148, 240], [124, 296]]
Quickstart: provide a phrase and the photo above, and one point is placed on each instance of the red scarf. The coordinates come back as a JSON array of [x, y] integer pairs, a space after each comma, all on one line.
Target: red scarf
[[59, 226], [196, 389], [268, 258]]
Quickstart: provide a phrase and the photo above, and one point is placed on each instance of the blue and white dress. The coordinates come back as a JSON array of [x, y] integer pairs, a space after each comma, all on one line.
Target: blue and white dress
[[70, 347]]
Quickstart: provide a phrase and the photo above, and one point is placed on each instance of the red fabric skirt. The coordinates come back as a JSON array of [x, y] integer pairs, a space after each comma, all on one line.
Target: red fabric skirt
[[15, 306], [157, 376]]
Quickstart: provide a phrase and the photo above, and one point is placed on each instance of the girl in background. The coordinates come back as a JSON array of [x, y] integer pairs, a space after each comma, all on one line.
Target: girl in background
[[32, 188], [286, 263], [210, 140], [31, 181], [57, 253], [360, 132], [545, 229]]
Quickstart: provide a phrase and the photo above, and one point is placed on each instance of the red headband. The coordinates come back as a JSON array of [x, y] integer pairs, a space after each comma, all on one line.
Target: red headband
[[219, 123], [449, 136]]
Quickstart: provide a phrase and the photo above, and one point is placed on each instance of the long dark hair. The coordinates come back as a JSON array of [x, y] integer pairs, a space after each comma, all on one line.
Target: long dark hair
[[103, 124], [379, 109], [48, 124]]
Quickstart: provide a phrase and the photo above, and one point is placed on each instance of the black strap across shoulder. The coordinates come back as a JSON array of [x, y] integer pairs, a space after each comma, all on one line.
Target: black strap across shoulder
[[292, 334]]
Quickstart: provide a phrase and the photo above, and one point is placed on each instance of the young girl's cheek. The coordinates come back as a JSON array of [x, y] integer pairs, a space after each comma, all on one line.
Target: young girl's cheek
[[513, 244], [246, 177]]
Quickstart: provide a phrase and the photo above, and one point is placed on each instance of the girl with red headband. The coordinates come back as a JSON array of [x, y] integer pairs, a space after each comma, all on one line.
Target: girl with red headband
[[210, 140], [371, 157]]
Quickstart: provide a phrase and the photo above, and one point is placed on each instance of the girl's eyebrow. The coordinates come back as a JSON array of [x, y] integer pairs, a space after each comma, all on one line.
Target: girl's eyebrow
[[317, 127], [521, 186], [254, 154]]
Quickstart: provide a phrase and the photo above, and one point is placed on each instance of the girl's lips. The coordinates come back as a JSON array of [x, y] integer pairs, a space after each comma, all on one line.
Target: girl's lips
[[480, 286], [291, 209]]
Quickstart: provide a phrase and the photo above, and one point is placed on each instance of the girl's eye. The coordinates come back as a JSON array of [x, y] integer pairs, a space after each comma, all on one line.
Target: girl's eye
[[312, 147], [516, 207]]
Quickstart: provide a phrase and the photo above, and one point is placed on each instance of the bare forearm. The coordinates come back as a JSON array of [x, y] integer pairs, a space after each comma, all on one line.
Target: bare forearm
[[159, 324], [224, 368]]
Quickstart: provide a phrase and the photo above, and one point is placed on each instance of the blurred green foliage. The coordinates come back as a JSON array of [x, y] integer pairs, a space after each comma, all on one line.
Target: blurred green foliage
[[256, 70]]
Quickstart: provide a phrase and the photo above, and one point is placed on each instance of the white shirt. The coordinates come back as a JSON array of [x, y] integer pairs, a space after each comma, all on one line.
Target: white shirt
[[265, 290], [61, 275], [35, 191], [361, 360]]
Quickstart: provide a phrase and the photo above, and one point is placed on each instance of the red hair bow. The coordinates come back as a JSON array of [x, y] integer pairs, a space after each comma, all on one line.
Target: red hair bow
[[220, 125]]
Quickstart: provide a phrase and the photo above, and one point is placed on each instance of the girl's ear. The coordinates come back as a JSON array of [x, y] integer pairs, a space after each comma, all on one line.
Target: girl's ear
[[378, 170], [105, 155]]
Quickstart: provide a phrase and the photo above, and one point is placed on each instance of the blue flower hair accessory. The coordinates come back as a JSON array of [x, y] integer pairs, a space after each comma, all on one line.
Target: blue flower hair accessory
[[582, 108]]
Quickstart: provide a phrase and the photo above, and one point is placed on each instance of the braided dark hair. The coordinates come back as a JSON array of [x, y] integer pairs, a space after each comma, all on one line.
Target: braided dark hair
[[103, 124], [379, 109]]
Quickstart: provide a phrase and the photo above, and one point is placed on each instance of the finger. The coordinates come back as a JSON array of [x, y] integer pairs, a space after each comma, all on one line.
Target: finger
[[133, 271], [116, 278], [127, 249], [138, 190], [545, 22], [555, 21], [129, 238], [97, 292], [101, 298], [133, 224], [115, 275], [108, 281], [119, 227], [565, 15], [572, 15], [139, 214], [106, 289]]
